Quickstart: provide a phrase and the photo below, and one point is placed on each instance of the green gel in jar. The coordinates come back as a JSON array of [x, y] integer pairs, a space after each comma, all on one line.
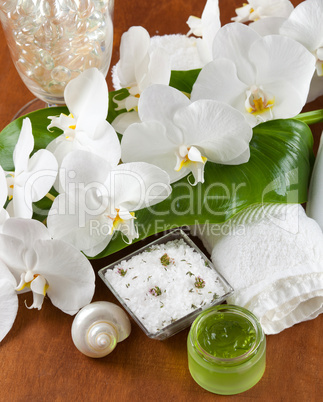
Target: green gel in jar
[[226, 350]]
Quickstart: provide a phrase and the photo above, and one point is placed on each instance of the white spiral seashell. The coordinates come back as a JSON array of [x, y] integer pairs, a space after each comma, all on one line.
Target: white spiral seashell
[[98, 327]]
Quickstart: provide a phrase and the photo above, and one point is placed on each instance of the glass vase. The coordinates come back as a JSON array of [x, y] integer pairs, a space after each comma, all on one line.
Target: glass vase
[[53, 41]]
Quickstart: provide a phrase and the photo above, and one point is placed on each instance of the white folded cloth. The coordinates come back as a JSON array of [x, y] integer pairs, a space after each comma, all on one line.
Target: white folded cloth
[[272, 255]]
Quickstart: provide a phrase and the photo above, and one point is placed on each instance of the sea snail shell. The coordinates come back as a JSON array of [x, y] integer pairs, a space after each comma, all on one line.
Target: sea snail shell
[[98, 327]]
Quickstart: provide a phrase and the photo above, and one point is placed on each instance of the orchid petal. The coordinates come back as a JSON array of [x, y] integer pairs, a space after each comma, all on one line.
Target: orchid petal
[[243, 13], [8, 300], [210, 18], [159, 69], [38, 286], [133, 52], [288, 101], [218, 80], [77, 224], [61, 146], [21, 204], [316, 88], [3, 217], [86, 97], [131, 102], [128, 230], [95, 250], [83, 167], [233, 42], [3, 188], [196, 25], [159, 103], [137, 185], [106, 143], [69, 289], [279, 58], [42, 172], [12, 253], [216, 129], [263, 9], [268, 26], [156, 147], [24, 147], [197, 170], [124, 120], [37, 301], [103, 143], [33, 184], [305, 24], [26, 230], [62, 122]]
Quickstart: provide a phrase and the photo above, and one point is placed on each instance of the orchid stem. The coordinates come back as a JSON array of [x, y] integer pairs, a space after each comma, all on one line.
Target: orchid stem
[[50, 196], [311, 117]]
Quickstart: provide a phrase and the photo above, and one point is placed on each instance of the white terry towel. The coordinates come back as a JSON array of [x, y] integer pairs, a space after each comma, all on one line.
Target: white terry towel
[[272, 255]]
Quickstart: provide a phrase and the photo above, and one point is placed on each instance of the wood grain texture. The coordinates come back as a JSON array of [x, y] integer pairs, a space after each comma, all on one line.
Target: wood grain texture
[[38, 360]]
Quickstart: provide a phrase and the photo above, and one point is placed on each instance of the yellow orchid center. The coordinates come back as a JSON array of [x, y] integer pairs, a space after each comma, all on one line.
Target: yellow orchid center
[[72, 127], [191, 158], [257, 101], [23, 284], [188, 155], [118, 220], [37, 284]]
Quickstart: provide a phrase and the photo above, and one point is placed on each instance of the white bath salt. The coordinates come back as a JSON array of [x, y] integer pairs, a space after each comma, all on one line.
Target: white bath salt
[[165, 283]]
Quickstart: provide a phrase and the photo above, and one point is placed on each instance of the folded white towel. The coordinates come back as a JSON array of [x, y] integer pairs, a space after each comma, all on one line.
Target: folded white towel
[[272, 255]]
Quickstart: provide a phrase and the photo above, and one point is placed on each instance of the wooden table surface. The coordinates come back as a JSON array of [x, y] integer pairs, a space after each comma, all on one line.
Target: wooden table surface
[[38, 360]]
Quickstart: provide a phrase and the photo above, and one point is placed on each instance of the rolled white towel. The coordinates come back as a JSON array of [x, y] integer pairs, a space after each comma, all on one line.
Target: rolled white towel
[[272, 255]]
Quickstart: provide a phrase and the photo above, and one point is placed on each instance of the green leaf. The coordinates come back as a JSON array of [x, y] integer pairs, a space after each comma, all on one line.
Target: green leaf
[[278, 172], [184, 80]]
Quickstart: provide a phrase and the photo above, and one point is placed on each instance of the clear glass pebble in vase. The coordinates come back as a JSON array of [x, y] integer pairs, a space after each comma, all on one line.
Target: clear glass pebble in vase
[[53, 41]]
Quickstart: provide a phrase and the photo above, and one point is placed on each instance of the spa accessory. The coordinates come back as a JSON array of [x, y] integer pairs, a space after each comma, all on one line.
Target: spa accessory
[[53, 42], [166, 284], [273, 257], [226, 350], [98, 327]]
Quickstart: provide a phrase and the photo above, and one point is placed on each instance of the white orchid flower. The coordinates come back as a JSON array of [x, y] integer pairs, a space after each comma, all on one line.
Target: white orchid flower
[[86, 127], [46, 266], [264, 78], [99, 200], [137, 69], [3, 198], [32, 178], [305, 25], [268, 26], [179, 136], [206, 27], [8, 300], [254, 10]]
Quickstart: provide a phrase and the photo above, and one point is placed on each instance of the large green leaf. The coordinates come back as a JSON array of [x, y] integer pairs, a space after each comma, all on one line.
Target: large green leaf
[[277, 172]]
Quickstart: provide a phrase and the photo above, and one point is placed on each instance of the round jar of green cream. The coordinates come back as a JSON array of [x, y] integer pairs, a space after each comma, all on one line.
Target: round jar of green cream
[[226, 350]]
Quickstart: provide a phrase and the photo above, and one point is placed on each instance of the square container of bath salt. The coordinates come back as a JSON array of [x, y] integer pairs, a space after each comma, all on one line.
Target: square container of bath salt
[[166, 284]]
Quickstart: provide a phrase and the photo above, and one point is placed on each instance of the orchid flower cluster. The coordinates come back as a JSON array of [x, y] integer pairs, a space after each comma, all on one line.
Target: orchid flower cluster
[[249, 74]]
